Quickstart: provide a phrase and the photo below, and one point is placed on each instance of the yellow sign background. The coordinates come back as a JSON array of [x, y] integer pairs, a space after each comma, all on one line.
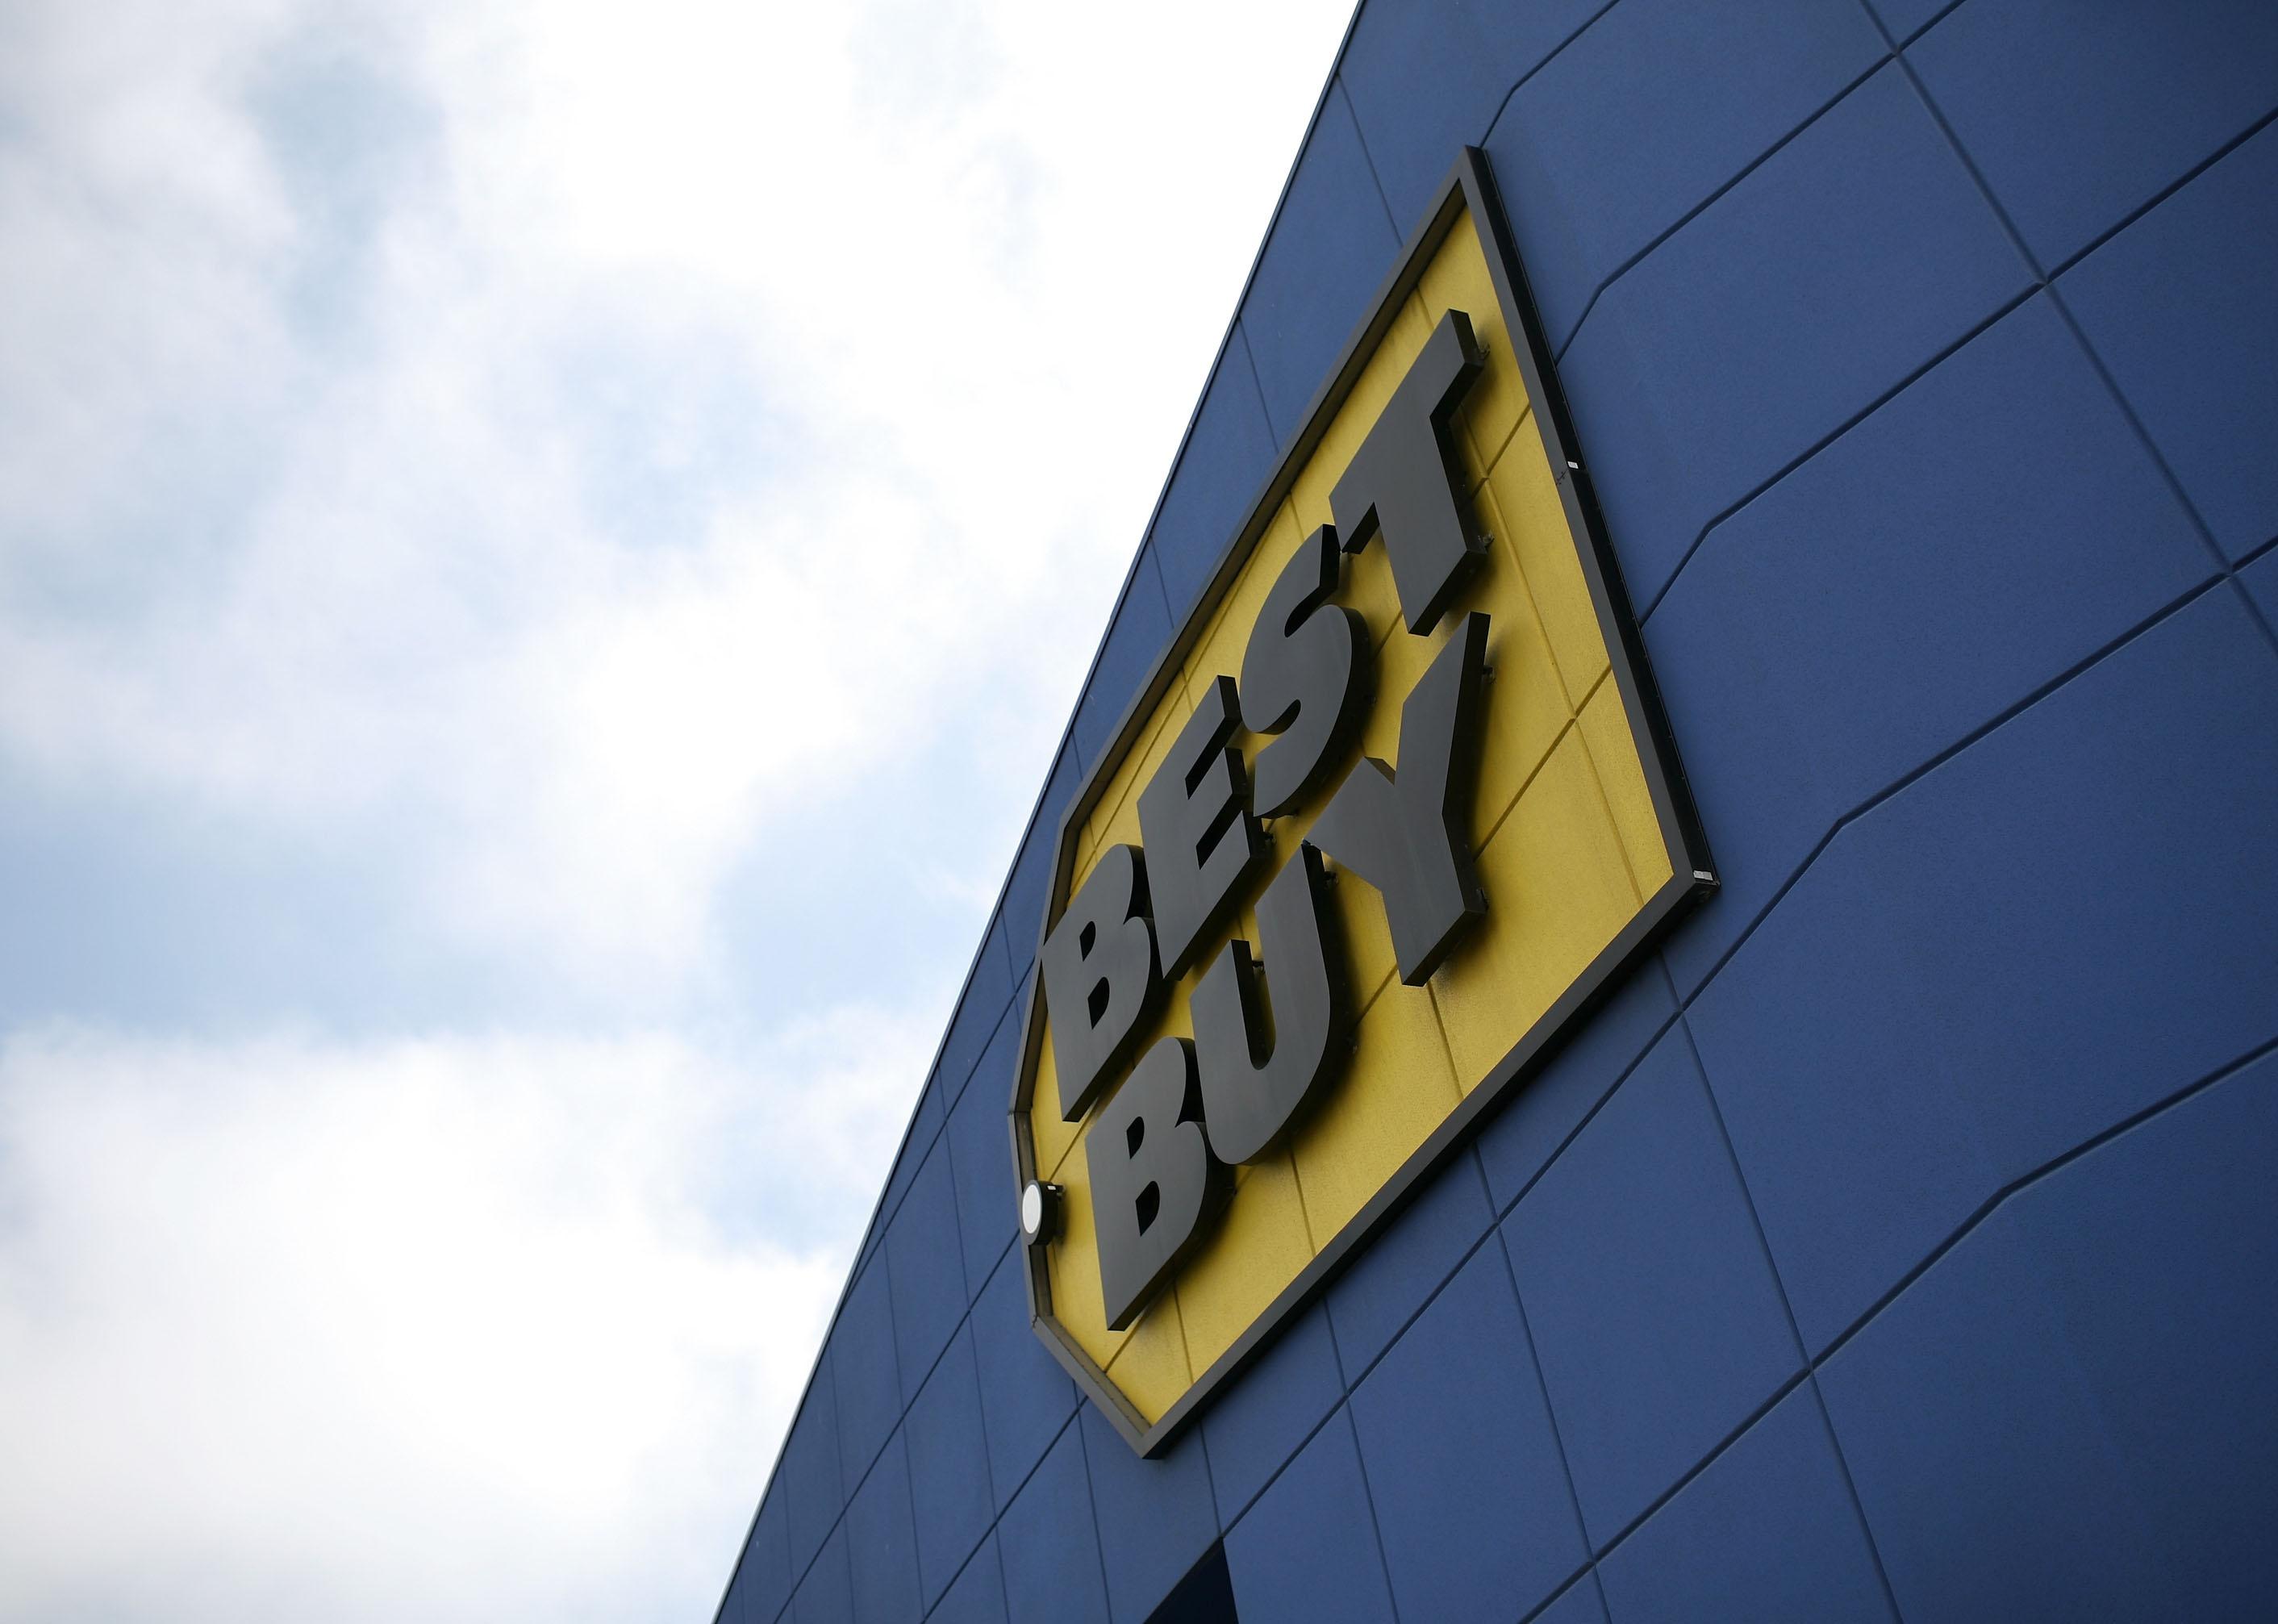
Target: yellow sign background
[[1570, 852]]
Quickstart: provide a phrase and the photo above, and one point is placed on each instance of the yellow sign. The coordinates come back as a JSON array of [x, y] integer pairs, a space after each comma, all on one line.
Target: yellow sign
[[1579, 839]]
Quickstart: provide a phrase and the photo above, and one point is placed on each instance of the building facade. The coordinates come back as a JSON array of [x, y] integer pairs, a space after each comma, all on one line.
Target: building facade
[[1854, 1197]]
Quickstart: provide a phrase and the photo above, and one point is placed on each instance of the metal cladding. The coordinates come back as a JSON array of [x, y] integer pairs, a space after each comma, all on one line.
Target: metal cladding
[[1889, 1234]]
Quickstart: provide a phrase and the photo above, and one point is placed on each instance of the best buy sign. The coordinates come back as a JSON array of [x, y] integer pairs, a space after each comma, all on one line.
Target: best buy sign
[[1394, 809]]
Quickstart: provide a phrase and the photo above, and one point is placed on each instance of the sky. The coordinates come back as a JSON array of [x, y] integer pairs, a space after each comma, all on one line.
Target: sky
[[545, 551]]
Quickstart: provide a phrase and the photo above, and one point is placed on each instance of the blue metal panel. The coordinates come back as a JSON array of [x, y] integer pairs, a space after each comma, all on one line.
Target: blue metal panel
[[986, 993], [1986, 531], [2073, 1413], [1471, 1494], [1025, 1399], [1224, 460], [1656, 1319], [1306, 1552], [1156, 1517], [981, 1154], [1520, 1143], [826, 1595], [926, 1263], [1426, 77], [1026, 888], [2077, 114], [949, 1467], [868, 1385], [881, 1541], [1622, 135], [1330, 247], [1769, 1532], [1049, 1541], [763, 1584], [2183, 306], [986, 998], [2062, 924], [978, 1595], [1136, 634], [1837, 269], [1906, 18], [924, 1129], [1261, 1423], [1580, 1603], [1383, 1289], [808, 1474], [2261, 579]]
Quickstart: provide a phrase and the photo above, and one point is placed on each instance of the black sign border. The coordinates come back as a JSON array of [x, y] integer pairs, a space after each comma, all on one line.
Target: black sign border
[[1470, 186]]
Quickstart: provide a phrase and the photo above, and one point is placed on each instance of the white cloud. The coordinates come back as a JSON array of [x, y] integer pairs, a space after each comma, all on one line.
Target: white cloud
[[697, 406], [422, 1329], [532, 456]]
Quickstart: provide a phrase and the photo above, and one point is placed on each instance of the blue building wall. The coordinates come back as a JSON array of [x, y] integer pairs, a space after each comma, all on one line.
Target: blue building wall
[[1902, 1240]]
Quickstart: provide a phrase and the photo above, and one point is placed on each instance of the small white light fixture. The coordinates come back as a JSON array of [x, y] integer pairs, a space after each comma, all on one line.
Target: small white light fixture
[[1040, 1211]]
